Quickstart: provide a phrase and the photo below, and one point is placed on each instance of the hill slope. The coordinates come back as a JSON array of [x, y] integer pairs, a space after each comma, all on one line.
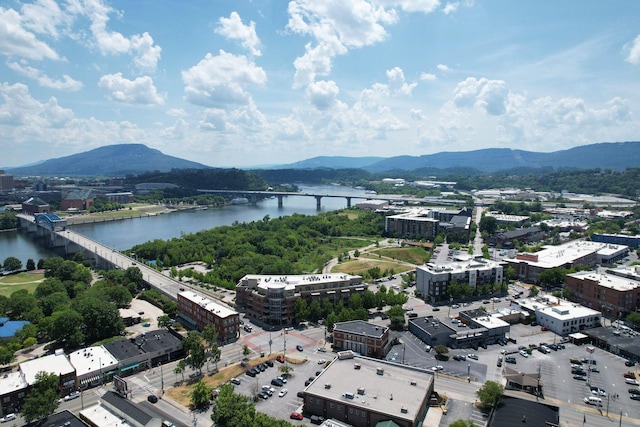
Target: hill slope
[[111, 160]]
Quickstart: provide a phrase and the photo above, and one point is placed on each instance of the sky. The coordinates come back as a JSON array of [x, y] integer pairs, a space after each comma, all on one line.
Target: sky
[[242, 83]]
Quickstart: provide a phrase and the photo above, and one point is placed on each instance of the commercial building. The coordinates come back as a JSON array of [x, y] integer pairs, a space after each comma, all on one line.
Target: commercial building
[[618, 239], [93, 365], [6, 181], [431, 331], [56, 364], [77, 201], [529, 266], [613, 295], [561, 317], [13, 390], [199, 311], [432, 280], [362, 337], [504, 219], [271, 299], [363, 392], [505, 239], [35, 205]]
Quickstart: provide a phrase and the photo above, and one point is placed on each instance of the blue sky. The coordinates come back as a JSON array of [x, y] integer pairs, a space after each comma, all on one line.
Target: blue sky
[[246, 83]]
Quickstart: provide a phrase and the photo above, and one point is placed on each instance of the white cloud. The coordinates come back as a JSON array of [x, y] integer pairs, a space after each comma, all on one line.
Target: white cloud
[[290, 129], [322, 94], [397, 84], [442, 67], [176, 112], [214, 119], [248, 117], [66, 84], [177, 131], [416, 114], [428, 77], [489, 95], [146, 55], [44, 17], [138, 91], [17, 41], [234, 29], [336, 28], [424, 6], [450, 7], [633, 51], [220, 81]]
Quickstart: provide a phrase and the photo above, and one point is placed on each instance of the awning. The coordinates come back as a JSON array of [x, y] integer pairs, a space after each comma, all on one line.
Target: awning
[[132, 366], [90, 379]]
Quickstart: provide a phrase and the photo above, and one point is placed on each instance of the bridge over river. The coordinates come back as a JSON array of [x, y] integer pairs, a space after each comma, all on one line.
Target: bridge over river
[[254, 196], [51, 231]]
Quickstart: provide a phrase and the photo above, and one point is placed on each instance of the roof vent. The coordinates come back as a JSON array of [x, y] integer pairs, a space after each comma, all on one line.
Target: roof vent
[[327, 386], [414, 383], [380, 371], [404, 410], [356, 366], [361, 390]]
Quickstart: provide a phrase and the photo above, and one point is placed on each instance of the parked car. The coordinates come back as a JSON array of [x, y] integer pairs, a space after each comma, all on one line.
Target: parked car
[[296, 416], [437, 368], [472, 356], [299, 347], [580, 377], [283, 392], [235, 381], [321, 361], [598, 391], [152, 398], [283, 379], [300, 394], [269, 363], [460, 357], [629, 363], [634, 391], [277, 382], [594, 369], [71, 396], [280, 359], [629, 375], [250, 373], [436, 308], [510, 359], [523, 353], [7, 418], [631, 381]]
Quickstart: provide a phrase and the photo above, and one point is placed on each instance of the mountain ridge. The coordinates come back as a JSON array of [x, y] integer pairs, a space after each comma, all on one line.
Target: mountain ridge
[[123, 159]]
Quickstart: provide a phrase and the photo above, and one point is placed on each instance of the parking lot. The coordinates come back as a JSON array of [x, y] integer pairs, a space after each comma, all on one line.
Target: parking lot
[[306, 366]]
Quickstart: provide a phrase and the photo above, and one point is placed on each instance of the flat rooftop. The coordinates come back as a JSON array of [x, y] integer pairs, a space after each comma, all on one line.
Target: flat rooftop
[[102, 417], [53, 364], [90, 359], [211, 306], [290, 282], [360, 327], [12, 381], [397, 390], [556, 256], [610, 281]]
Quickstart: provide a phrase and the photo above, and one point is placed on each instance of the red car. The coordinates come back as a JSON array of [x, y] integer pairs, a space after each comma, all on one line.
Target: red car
[[296, 416], [544, 328], [629, 375], [280, 359]]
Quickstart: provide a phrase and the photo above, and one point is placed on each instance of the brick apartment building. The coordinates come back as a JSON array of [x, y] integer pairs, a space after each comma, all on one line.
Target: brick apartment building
[[613, 295], [199, 311], [362, 337]]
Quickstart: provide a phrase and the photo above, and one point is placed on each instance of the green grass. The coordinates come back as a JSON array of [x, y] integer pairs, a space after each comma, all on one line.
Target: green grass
[[15, 282], [412, 255]]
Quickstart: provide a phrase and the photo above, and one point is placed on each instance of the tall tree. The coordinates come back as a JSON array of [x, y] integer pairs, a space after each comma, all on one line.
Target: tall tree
[[12, 263], [42, 400], [201, 394], [490, 394]]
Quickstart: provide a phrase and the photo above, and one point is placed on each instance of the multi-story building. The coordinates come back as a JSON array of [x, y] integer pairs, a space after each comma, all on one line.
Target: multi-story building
[[77, 201], [412, 224], [199, 311], [432, 280], [529, 266], [272, 299], [6, 181], [362, 337], [613, 295], [57, 364], [35, 205], [618, 239], [363, 392], [505, 239]]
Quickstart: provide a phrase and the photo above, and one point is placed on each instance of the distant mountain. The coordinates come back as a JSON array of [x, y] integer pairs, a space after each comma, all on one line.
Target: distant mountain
[[111, 160], [332, 162], [617, 156]]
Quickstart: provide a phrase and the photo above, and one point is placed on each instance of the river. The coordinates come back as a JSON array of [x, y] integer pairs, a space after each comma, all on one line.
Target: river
[[122, 235]]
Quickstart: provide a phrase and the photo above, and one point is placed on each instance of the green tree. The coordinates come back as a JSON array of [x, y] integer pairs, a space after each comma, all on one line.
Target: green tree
[[12, 263], [101, 318], [66, 328], [180, 367], [211, 338], [231, 409], [488, 224], [442, 352], [463, 423], [300, 310], [200, 395], [164, 321], [31, 265], [634, 317], [42, 400], [245, 350], [195, 351], [490, 394], [396, 317], [533, 291]]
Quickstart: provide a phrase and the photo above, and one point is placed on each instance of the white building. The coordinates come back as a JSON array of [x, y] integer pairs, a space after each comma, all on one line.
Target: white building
[[92, 363], [561, 317], [56, 364]]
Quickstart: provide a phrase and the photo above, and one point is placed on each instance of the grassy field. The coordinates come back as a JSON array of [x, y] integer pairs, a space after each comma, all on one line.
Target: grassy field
[[359, 266], [15, 282], [412, 255]]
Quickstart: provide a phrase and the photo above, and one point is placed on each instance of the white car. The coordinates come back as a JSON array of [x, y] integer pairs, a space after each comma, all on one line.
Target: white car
[[631, 381], [7, 418], [72, 396], [523, 353], [437, 368], [472, 356], [283, 392]]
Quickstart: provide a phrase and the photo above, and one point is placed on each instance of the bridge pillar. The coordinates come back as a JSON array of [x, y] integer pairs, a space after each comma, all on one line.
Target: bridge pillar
[[280, 200], [348, 201], [318, 199]]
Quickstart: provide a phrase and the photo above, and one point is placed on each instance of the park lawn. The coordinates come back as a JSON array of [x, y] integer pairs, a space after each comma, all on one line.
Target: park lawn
[[15, 282], [360, 266], [412, 255]]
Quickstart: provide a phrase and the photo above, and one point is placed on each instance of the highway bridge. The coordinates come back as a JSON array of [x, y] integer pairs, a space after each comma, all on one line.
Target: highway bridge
[[51, 231], [254, 196]]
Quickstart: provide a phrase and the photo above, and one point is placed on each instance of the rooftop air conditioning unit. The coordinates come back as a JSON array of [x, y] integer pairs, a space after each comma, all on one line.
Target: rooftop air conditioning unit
[[361, 390], [380, 371]]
